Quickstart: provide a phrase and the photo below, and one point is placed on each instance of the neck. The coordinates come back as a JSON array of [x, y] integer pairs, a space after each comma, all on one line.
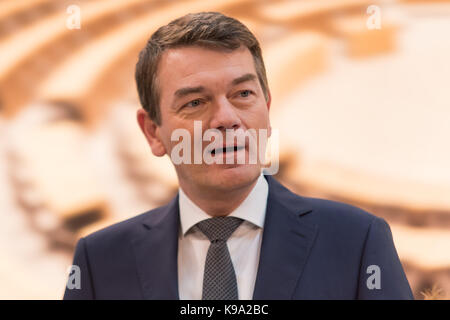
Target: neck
[[218, 202]]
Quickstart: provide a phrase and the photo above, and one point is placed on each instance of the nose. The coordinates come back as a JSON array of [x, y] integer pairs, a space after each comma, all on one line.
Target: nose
[[225, 116]]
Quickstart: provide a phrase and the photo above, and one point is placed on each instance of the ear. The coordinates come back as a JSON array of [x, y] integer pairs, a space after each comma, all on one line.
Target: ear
[[269, 101], [151, 133]]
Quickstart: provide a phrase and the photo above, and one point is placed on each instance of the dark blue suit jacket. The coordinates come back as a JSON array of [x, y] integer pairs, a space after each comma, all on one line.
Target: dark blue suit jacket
[[311, 249]]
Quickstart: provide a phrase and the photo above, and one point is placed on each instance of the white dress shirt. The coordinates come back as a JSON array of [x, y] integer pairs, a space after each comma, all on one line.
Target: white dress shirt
[[244, 244]]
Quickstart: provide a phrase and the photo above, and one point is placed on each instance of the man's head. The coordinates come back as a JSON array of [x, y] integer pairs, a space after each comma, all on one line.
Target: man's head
[[203, 67]]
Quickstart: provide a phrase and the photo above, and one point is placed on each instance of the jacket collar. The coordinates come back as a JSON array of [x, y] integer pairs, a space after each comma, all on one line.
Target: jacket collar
[[156, 250], [286, 243]]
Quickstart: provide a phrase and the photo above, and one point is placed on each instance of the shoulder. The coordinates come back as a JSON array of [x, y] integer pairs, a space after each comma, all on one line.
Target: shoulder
[[321, 211], [343, 222], [337, 222], [122, 231], [337, 212]]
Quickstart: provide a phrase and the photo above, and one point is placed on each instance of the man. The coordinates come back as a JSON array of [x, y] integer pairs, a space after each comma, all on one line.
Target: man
[[231, 232]]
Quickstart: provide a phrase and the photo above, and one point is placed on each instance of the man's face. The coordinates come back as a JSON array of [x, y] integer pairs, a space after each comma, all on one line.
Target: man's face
[[220, 89]]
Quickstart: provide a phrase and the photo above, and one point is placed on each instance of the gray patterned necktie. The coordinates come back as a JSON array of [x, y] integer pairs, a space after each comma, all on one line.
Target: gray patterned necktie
[[219, 278]]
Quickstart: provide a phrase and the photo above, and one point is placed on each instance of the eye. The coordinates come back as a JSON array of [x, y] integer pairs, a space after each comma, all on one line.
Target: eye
[[193, 103], [245, 93]]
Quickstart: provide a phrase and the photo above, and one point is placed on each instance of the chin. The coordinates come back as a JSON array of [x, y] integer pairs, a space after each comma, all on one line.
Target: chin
[[232, 177]]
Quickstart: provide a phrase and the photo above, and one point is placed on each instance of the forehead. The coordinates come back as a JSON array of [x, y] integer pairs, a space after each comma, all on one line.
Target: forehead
[[192, 65]]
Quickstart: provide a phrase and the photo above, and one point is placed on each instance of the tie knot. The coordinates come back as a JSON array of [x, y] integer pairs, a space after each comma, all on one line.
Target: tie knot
[[219, 228]]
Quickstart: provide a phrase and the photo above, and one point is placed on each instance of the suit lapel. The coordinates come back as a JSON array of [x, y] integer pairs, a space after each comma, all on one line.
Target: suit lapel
[[155, 247], [286, 242]]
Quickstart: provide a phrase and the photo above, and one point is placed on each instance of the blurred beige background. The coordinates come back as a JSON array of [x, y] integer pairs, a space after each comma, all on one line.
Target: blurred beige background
[[360, 99]]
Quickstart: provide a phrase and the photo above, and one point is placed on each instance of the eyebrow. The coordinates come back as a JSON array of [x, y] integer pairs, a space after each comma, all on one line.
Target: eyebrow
[[188, 90], [244, 78]]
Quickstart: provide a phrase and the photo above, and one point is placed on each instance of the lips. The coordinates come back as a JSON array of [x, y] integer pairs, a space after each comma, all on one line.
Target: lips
[[226, 149]]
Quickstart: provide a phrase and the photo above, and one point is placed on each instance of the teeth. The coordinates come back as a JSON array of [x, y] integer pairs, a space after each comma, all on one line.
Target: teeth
[[227, 149]]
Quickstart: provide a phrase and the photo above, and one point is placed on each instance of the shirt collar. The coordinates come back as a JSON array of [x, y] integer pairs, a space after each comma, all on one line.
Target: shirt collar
[[252, 209]]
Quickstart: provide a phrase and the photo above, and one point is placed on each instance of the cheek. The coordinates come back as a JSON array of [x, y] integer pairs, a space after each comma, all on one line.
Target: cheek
[[179, 130], [165, 135], [257, 119]]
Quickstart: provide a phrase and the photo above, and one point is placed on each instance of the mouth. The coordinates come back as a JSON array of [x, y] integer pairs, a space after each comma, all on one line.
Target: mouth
[[226, 150]]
